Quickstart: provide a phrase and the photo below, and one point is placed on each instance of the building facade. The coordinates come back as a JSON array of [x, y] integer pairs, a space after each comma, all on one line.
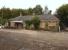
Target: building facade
[[48, 21]]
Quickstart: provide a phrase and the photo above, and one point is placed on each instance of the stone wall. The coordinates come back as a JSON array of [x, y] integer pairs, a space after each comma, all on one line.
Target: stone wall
[[50, 25], [12, 24]]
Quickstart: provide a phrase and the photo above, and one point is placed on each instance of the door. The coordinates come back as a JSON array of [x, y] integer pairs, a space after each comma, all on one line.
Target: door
[[18, 25]]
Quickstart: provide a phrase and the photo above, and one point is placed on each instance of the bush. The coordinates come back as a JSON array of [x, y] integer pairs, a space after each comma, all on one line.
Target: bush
[[36, 22], [28, 24]]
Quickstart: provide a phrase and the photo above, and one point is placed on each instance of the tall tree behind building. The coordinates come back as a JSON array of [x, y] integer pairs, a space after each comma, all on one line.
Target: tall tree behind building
[[62, 13], [38, 10]]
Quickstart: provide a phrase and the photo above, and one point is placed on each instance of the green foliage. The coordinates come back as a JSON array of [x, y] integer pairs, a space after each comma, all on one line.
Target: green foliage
[[7, 13], [2, 21], [37, 10], [30, 11], [62, 13], [36, 22], [28, 24]]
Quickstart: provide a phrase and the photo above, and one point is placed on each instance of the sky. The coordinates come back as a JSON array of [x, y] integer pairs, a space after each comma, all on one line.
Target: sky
[[25, 4]]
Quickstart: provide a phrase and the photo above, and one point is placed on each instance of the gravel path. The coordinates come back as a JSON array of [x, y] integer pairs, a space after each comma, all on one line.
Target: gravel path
[[32, 40]]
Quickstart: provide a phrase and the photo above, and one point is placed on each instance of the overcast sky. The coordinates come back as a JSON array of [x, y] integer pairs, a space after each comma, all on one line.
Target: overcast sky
[[52, 4]]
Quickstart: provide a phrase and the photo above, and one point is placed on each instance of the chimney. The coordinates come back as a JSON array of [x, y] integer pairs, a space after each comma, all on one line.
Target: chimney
[[20, 13], [33, 14]]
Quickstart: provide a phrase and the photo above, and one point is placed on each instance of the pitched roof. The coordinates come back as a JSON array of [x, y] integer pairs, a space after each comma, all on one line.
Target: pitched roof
[[21, 18], [48, 17], [42, 17]]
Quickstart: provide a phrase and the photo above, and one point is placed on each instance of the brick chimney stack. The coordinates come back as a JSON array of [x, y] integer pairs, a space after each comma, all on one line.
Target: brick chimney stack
[[20, 13]]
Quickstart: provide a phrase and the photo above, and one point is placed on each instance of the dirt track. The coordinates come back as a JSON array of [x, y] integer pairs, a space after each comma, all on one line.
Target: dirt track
[[33, 40]]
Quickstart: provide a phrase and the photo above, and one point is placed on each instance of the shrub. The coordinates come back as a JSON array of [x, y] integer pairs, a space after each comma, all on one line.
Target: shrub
[[36, 22], [28, 24]]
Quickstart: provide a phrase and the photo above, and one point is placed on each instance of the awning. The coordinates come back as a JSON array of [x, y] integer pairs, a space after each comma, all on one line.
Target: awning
[[17, 21]]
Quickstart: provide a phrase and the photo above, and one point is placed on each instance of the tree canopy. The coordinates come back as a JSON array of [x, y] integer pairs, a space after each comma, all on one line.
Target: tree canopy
[[38, 10], [7, 13], [62, 13]]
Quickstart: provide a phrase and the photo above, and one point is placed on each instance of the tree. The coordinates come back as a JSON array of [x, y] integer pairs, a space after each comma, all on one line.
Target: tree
[[15, 12], [37, 10], [62, 13], [5, 14], [30, 11], [36, 22]]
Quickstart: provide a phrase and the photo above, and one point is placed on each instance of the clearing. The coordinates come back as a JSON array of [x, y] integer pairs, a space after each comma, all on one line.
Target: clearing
[[11, 39]]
